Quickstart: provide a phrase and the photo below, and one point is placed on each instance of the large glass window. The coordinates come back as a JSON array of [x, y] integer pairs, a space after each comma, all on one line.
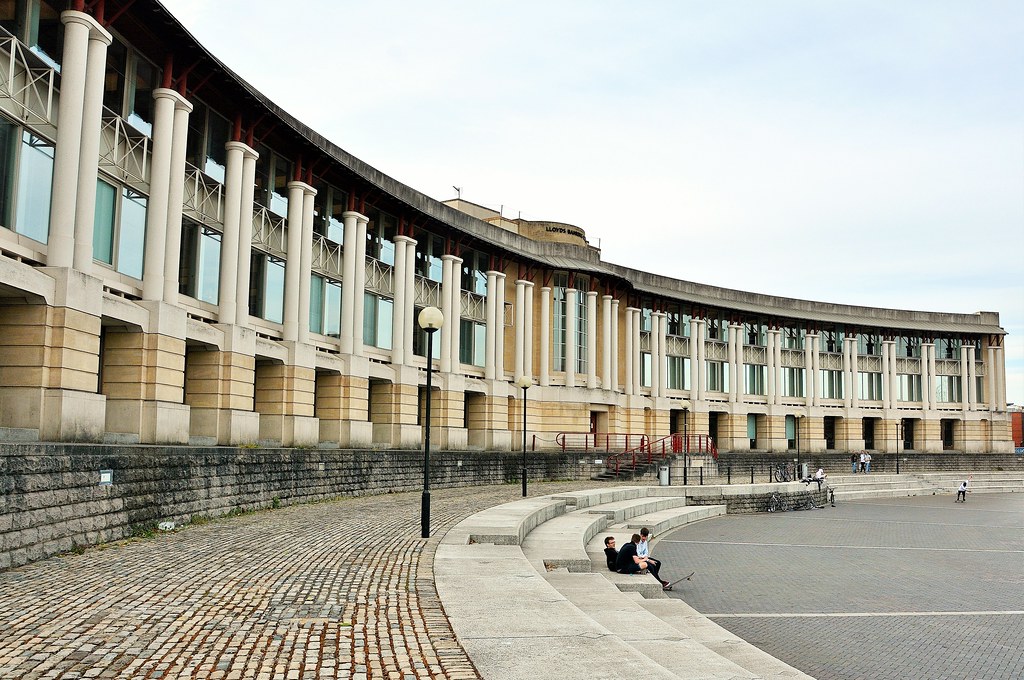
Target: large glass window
[[472, 342], [947, 348], [8, 155], [35, 182], [474, 272], [329, 205], [717, 329], [831, 341], [208, 133], [831, 384], [266, 287], [324, 305], [131, 238], [908, 346], [645, 369], [36, 23], [947, 388], [718, 376], [273, 172], [793, 338], [792, 382], [755, 334], [868, 344], [870, 386], [561, 281], [754, 378], [199, 275], [678, 373], [378, 317], [909, 387], [419, 339], [380, 237], [104, 222], [429, 250], [581, 327]]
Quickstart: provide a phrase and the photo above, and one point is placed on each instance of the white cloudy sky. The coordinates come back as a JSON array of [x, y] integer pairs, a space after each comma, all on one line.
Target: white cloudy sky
[[867, 152]]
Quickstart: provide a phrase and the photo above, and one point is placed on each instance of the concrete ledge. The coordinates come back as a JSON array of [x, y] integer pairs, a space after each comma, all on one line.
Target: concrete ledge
[[506, 524]]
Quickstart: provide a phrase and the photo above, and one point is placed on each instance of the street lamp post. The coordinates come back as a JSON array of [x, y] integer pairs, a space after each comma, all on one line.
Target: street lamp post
[[524, 383], [796, 421], [686, 438], [430, 320]]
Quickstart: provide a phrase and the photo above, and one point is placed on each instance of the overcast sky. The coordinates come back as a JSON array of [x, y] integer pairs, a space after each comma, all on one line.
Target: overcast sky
[[853, 152]]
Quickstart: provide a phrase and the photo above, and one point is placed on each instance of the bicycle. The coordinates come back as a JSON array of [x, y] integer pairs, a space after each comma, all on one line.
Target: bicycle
[[774, 503], [830, 493], [782, 473]]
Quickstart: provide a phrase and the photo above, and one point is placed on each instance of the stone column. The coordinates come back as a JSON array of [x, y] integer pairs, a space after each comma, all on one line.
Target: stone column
[[528, 335], [770, 365], [570, 337], [891, 377], [614, 381], [702, 375], [592, 339], [847, 382], [695, 371], [545, 336], [972, 380], [360, 285], [637, 364], [228, 295], [456, 308], [655, 336], [990, 378], [68, 148], [92, 122], [245, 215], [964, 396], [810, 382], [520, 351], [499, 327], [736, 362], [816, 369], [490, 306], [606, 342], [1000, 395], [410, 299], [159, 186], [293, 265], [349, 282], [631, 349], [306, 262], [447, 283], [175, 194], [398, 316], [854, 374], [928, 376]]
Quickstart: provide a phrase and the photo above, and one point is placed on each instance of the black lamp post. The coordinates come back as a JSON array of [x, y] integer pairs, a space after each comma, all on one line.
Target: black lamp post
[[796, 421], [686, 438], [430, 320], [524, 383]]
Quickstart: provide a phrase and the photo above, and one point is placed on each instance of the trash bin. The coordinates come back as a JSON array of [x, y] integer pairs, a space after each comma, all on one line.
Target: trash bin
[[663, 475], [804, 471]]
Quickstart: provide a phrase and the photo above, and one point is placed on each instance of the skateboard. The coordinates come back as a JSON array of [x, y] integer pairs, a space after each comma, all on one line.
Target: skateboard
[[685, 578]]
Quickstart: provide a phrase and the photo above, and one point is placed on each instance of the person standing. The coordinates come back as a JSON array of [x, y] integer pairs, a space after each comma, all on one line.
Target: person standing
[[863, 461], [961, 493], [853, 463], [867, 462]]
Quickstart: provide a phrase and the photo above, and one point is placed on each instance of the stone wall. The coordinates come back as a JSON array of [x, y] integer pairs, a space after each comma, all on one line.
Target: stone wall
[[52, 499]]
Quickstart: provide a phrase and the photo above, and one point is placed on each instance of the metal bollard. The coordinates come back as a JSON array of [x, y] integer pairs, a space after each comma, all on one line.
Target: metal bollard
[[728, 475], [702, 475], [751, 474]]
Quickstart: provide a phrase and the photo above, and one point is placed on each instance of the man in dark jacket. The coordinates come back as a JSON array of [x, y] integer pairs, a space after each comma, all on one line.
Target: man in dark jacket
[[628, 562], [611, 555]]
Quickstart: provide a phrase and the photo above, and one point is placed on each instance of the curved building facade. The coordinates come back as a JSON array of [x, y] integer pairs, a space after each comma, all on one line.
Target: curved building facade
[[182, 261]]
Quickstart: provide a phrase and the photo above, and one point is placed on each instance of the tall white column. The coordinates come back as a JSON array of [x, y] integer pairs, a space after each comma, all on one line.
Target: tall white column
[[360, 288], [592, 339], [349, 283], [1000, 395], [68, 149], [456, 307], [695, 368], [447, 283], [528, 339], [894, 392], [570, 337], [606, 342], [702, 374], [847, 381], [410, 299], [614, 381], [635, 358], [398, 329], [810, 383], [771, 366], [175, 195], [928, 379], [778, 366], [663, 355], [159, 185], [736, 361], [518, 369], [305, 261], [490, 305], [887, 387], [88, 162], [964, 395], [499, 327], [655, 336], [816, 369], [229, 240], [854, 373], [990, 378], [972, 380], [631, 349], [545, 336], [293, 265], [244, 252]]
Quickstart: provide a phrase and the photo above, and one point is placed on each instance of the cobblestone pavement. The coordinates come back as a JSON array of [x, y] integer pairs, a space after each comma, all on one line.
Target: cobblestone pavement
[[340, 589], [886, 588]]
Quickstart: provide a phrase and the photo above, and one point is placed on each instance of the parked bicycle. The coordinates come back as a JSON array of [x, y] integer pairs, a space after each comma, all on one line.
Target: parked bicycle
[[783, 473], [774, 503]]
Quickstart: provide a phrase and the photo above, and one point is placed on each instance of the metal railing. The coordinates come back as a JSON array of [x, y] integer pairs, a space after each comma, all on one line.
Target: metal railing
[[658, 449], [600, 442]]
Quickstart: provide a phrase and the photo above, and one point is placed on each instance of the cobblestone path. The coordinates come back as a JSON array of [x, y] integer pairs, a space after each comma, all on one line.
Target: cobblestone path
[[340, 589]]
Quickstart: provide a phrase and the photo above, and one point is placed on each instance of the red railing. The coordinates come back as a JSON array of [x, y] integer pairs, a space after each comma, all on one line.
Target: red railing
[[670, 445], [602, 442]]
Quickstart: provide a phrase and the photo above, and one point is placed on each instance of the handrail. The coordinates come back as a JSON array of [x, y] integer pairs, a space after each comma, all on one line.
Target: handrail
[[673, 444], [605, 442]]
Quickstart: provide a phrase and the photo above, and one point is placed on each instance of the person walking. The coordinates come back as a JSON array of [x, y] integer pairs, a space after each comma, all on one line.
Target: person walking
[[853, 463]]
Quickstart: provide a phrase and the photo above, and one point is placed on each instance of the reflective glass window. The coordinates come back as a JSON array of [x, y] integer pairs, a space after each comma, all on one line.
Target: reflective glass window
[[116, 76], [8, 154], [332, 308], [316, 303], [140, 105], [35, 180], [792, 382], [104, 222], [209, 266], [754, 379], [273, 290], [131, 238], [218, 132]]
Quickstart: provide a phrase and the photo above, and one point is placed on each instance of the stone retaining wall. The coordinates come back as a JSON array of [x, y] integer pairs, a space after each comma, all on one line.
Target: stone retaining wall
[[758, 502], [52, 499]]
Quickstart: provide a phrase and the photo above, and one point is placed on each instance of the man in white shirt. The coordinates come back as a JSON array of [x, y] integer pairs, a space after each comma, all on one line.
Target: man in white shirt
[[643, 551], [819, 477], [961, 493]]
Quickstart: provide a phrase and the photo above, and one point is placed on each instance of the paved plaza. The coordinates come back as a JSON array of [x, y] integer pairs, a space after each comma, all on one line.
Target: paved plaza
[[891, 588], [896, 588]]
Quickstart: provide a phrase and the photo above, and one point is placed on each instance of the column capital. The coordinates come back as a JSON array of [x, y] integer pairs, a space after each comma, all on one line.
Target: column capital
[[306, 189], [352, 214], [179, 101], [238, 146], [454, 259], [402, 238], [499, 275], [607, 297], [631, 308], [592, 293], [521, 282], [71, 16]]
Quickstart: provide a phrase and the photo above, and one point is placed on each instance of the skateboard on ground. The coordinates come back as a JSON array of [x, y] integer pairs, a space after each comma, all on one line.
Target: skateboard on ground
[[685, 578]]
